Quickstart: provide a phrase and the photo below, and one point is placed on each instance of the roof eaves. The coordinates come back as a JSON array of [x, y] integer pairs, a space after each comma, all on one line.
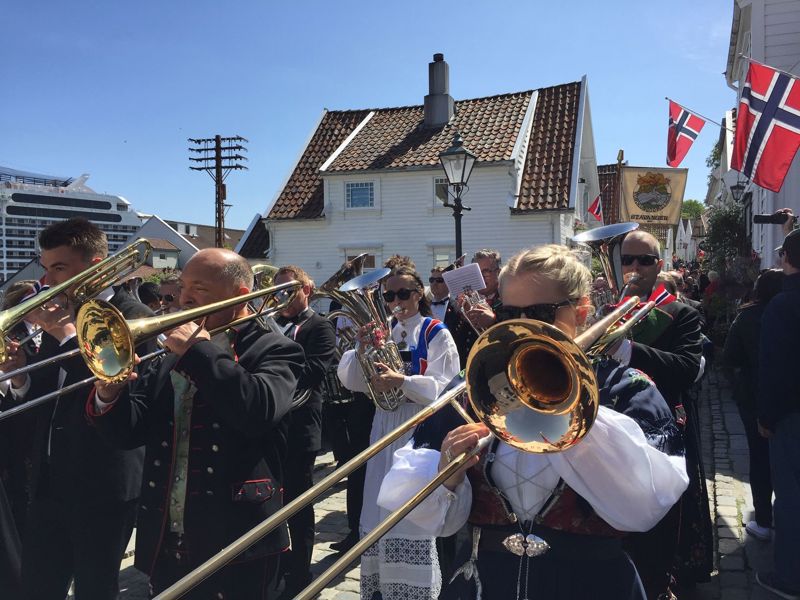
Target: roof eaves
[[295, 163], [520, 152], [576, 152]]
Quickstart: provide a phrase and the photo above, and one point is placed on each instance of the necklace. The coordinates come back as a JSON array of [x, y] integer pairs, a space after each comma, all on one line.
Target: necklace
[[403, 345]]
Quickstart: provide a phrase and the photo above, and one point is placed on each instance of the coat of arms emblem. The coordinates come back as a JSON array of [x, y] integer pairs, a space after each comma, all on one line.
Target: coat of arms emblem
[[652, 192]]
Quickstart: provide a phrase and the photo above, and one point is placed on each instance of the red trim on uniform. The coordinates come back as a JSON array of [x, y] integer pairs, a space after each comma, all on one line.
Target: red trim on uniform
[[423, 366]]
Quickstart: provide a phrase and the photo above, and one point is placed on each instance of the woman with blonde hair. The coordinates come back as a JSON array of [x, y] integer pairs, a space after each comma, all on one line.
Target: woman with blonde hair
[[579, 502]]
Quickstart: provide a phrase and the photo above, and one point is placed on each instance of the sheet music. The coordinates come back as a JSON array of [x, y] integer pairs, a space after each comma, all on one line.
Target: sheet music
[[464, 279]]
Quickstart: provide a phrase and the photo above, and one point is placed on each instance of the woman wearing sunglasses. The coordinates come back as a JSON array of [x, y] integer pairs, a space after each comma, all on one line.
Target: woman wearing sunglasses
[[580, 502], [403, 564]]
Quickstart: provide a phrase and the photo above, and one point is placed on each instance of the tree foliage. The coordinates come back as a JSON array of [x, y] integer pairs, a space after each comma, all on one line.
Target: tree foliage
[[692, 209], [726, 237]]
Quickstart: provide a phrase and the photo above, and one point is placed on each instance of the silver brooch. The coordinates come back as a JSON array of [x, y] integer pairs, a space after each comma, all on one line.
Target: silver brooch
[[531, 545]]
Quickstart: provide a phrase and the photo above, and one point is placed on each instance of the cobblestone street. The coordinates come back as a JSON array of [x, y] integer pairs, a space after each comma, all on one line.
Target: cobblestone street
[[726, 461]]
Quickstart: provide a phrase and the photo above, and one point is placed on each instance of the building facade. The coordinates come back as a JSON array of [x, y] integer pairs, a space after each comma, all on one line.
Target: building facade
[[369, 181]]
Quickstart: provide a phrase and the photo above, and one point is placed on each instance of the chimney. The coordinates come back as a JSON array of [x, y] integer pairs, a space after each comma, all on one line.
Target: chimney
[[439, 107]]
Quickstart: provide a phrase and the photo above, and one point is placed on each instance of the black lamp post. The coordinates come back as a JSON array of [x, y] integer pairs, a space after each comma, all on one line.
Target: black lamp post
[[457, 163]]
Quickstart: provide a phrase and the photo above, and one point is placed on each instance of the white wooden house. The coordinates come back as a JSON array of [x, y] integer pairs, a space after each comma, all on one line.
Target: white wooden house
[[769, 32], [370, 180]]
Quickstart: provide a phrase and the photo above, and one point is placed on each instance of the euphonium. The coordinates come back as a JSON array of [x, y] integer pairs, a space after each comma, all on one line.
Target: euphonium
[[364, 306]]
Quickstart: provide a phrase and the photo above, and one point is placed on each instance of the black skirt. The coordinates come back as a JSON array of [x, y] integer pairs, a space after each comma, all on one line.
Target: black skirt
[[576, 567]]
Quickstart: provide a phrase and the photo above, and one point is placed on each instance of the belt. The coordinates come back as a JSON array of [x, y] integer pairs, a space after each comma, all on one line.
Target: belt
[[550, 543]]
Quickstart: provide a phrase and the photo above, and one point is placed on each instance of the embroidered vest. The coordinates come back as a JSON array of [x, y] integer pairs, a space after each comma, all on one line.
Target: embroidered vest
[[568, 511]]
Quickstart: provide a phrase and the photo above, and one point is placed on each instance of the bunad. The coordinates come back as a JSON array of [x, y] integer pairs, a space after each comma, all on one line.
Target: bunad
[[403, 564], [550, 525]]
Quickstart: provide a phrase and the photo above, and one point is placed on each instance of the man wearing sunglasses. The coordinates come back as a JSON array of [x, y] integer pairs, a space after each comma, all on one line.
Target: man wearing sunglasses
[[779, 418], [170, 292], [667, 346]]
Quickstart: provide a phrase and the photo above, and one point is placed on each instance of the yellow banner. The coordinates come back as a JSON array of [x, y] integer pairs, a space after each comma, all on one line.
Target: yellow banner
[[652, 195]]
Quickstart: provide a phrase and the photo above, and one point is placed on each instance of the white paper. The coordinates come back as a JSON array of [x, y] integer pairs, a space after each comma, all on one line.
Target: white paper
[[464, 279]]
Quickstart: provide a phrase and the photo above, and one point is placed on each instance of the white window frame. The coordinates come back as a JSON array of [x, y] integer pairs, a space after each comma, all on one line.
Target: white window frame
[[437, 180], [377, 252], [362, 182], [439, 250]]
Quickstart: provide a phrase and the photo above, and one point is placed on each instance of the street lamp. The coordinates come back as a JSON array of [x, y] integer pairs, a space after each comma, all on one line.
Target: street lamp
[[457, 163]]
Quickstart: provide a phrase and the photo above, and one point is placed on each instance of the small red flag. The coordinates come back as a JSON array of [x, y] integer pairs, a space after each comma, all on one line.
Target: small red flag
[[596, 209], [684, 126]]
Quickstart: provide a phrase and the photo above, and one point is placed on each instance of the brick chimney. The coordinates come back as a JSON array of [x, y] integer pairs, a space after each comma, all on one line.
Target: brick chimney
[[439, 106]]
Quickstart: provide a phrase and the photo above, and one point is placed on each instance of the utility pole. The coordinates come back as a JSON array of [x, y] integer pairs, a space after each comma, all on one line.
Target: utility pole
[[218, 156]]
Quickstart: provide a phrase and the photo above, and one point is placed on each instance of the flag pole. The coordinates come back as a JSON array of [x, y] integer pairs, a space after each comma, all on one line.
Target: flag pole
[[698, 114]]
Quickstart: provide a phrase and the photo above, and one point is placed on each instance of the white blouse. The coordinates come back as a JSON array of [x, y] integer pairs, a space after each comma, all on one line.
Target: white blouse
[[628, 483], [442, 363]]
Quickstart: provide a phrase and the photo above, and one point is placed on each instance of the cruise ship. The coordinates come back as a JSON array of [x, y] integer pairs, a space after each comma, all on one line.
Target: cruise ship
[[29, 202]]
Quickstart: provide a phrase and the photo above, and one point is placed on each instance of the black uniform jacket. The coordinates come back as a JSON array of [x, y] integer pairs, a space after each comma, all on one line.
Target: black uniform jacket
[[317, 336], [237, 441], [83, 468], [672, 359]]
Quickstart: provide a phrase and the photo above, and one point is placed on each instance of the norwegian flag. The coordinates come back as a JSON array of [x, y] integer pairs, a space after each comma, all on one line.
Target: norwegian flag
[[767, 126], [596, 209], [684, 126], [661, 296]]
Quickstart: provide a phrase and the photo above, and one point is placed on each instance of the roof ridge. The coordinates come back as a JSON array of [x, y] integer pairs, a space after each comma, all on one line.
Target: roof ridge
[[489, 97]]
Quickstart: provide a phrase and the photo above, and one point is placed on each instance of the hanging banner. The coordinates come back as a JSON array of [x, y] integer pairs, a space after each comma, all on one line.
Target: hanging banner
[[652, 195]]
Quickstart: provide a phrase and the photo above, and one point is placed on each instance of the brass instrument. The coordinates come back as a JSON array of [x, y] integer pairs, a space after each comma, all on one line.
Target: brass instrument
[[556, 402], [361, 298], [606, 245], [106, 340], [77, 289]]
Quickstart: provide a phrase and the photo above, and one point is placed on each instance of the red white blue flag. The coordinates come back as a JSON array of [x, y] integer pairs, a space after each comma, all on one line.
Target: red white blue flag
[[661, 296], [684, 127], [596, 209], [767, 126]]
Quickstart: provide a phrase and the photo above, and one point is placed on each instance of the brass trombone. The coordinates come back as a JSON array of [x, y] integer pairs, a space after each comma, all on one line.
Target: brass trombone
[[543, 397], [106, 340], [77, 289]]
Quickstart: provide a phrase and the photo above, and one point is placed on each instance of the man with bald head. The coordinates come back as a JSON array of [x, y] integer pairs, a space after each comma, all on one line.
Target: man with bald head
[[211, 416], [667, 346]]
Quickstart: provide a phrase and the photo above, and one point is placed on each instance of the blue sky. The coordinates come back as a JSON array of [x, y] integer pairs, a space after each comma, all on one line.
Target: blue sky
[[114, 89]]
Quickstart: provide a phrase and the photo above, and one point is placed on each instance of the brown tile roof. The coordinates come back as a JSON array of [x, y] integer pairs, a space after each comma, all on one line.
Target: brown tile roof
[[159, 244], [608, 176], [547, 174], [302, 196], [395, 139]]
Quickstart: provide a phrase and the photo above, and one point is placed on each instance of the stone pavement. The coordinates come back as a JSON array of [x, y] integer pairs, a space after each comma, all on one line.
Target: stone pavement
[[726, 461]]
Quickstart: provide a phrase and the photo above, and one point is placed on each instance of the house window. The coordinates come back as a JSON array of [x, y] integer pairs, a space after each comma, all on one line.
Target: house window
[[373, 259], [443, 256], [162, 256], [440, 189], [360, 194]]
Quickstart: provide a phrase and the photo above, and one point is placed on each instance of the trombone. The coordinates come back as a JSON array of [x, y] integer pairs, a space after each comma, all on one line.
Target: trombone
[[544, 398], [78, 290], [106, 340]]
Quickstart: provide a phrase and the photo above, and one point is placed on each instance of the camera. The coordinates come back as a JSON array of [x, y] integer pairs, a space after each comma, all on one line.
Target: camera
[[775, 219]]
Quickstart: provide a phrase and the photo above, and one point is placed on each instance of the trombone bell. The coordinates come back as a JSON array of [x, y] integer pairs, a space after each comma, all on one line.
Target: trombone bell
[[532, 386]]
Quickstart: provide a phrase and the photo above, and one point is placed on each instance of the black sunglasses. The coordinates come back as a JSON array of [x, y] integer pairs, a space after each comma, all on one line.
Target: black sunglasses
[[540, 312], [402, 294], [168, 297], [436, 280], [645, 260]]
